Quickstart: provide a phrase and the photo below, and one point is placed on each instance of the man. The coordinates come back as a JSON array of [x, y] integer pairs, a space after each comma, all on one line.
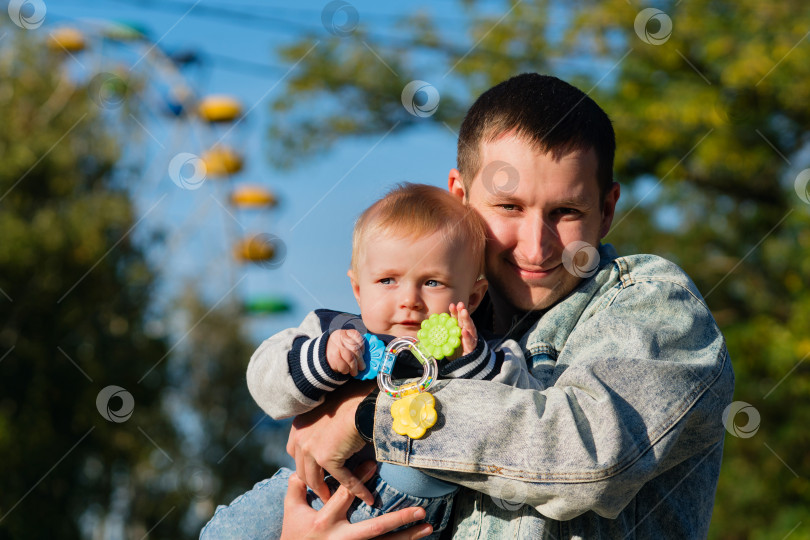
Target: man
[[626, 438]]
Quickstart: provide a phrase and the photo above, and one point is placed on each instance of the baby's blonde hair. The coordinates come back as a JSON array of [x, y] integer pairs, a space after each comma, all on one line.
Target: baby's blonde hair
[[417, 210]]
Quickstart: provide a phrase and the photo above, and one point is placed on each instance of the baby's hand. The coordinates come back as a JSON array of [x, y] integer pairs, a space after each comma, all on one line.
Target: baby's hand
[[344, 351], [469, 335]]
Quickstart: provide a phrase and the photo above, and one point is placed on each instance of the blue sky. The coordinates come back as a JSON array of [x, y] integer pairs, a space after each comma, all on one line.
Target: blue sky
[[319, 199]]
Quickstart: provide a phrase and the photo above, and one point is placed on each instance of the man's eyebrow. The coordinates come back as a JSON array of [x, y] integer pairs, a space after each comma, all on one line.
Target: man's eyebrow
[[503, 198], [506, 198], [572, 201]]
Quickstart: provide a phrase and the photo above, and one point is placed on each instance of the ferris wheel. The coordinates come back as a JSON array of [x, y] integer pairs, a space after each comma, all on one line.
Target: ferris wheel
[[184, 139]]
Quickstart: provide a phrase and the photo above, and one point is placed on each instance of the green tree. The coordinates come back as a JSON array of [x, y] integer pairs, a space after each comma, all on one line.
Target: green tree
[[708, 98], [78, 314], [75, 289]]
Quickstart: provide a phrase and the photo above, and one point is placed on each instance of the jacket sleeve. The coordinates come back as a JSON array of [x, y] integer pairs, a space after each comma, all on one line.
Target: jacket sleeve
[[513, 368], [638, 388], [288, 374]]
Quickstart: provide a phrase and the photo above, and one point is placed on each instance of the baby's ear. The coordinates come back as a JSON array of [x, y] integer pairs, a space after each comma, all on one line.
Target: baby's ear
[[477, 294], [355, 285]]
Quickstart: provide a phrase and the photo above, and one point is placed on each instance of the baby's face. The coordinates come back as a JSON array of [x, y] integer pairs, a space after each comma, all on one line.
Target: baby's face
[[401, 281]]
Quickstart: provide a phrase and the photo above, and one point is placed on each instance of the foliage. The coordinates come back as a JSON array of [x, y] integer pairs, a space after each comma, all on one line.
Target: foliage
[[73, 289], [76, 295], [712, 131]]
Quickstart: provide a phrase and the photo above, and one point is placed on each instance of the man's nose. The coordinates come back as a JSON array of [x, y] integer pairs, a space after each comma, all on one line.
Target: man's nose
[[537, 240]]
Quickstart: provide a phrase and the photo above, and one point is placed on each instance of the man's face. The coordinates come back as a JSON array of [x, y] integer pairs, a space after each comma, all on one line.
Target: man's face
[[534, 206]]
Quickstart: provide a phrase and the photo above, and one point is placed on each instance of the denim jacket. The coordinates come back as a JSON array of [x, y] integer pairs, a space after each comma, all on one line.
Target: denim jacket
[[623, 440]]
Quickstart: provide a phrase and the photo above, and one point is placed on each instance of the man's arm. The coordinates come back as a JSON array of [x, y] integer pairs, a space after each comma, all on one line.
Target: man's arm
[[326, 437], [638, 388]]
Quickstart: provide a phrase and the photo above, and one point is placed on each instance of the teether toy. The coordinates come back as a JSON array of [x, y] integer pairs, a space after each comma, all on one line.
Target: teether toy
[[414, 414], [397, 346], [415, 410], [373, 353], [439, 335]]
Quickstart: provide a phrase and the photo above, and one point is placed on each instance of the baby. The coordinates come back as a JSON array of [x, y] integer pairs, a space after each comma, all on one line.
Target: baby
[[415, 252]]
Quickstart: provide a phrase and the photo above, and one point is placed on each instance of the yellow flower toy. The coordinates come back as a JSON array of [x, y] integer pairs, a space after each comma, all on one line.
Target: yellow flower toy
[[414, 414]]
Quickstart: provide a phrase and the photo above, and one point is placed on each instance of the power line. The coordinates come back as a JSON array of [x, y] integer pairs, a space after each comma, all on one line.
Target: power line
[[315, 12], [220, 61], [296, 27], [280, 24], [230, 63], [224, 14]]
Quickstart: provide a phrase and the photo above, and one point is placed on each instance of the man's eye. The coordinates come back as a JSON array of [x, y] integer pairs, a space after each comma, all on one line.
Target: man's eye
[[567, 211], [432, 283], [508, 207]]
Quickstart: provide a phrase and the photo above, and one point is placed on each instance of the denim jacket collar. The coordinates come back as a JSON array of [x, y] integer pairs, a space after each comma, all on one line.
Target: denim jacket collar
[[555, 325]]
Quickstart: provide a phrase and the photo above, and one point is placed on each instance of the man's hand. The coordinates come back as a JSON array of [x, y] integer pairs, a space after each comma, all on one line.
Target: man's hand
[[344, 351], [301, 521], [325, 438], [469, 335]]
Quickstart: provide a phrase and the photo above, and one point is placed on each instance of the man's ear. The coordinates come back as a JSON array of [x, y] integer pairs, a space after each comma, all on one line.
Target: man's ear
[[477, 294], [355, 286], [609, 209], [455, 186]]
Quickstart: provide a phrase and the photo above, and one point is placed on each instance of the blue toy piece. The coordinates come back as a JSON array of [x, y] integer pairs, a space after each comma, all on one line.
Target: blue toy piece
[[373, 353]]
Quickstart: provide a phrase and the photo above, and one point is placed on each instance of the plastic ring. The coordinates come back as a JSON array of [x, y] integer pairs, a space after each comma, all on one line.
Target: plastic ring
[[397, 346]]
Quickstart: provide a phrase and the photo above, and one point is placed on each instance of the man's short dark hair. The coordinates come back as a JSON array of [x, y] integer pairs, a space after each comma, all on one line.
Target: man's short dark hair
[[551, 114]]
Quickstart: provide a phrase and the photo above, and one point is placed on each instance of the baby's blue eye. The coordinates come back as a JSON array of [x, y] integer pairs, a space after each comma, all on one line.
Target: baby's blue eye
[[387, 281]]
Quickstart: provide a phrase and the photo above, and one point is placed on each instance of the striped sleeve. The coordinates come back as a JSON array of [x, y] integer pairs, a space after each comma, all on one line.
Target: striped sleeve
[[309, 368], [483, 363]]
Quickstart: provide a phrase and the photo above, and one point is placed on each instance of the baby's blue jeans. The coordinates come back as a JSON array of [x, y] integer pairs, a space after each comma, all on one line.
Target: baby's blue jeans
[[258, 514]]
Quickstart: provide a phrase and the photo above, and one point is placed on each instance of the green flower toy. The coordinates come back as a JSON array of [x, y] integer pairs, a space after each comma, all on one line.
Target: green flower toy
[[439, 336]]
